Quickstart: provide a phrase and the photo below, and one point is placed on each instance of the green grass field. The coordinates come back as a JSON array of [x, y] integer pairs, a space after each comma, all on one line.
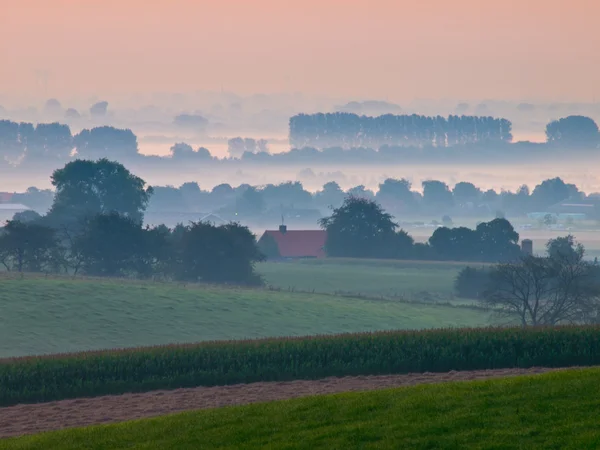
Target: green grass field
[[551, 411], [40, 315], [412, 280]]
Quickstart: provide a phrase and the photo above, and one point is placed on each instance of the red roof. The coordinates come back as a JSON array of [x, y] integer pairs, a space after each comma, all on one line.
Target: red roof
[[299, 243]]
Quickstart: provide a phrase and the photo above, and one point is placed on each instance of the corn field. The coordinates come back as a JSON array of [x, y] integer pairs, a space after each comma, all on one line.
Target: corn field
[[55, 377]]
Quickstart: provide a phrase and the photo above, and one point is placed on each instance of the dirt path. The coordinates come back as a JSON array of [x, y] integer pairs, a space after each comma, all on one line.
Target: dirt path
[[35, 418]]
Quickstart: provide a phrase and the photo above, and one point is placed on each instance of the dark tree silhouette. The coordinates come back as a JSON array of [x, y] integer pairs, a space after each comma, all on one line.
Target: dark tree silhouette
[[106, 142], [551, 191], [86, 188], [360, 228], [573, 131], [220, 254], [26, 246]]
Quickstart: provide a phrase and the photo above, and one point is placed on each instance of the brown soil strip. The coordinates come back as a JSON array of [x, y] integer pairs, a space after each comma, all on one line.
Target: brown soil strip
[[34, 418]]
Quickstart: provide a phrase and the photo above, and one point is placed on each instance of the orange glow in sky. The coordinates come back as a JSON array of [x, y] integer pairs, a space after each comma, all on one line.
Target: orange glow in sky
[[387, 49]]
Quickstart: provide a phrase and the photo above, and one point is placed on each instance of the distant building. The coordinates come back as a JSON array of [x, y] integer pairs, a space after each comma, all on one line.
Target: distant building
[[284, 243], [573, 208], [527, 247]]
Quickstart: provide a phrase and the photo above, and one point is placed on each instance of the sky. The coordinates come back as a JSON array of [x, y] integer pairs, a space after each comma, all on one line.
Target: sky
[[393, 50]]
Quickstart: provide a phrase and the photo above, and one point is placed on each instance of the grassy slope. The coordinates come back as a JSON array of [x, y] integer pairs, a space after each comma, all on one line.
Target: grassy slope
[[557, 410], [408, 279], [61, 315]]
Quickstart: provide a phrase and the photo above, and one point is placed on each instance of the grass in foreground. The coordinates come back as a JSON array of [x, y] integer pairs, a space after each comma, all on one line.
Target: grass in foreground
[[40, 316], [551, 411]]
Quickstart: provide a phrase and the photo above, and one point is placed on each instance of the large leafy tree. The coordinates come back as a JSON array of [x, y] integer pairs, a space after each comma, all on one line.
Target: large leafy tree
[[360, 228], [216, 254], [86, 188]]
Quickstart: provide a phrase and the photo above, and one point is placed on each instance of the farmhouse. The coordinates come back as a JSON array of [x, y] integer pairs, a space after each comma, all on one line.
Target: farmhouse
[[284, 243]]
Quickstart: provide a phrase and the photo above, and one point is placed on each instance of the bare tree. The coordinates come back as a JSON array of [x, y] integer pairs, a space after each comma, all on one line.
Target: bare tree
[[560, 288]]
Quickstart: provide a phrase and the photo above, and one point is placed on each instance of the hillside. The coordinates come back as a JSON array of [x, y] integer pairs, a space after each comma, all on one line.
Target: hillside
[[54, 315], [411, 280], [554, 410]]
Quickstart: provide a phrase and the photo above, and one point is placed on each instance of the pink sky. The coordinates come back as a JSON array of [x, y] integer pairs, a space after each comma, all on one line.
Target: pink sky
[[396, 50]]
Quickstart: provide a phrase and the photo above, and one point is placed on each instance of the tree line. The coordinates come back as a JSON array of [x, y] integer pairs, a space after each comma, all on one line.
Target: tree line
[[94, 227], [315, 139], [560, 287], [398, 196], [349, 130], [361, 228]]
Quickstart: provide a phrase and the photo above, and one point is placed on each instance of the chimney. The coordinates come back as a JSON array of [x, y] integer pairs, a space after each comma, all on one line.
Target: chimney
[[527, 247], [282, 229]]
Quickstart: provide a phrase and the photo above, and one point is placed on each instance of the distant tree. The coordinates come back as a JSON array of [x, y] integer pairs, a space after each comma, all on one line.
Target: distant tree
[[106, 142], [360, 228], [13, 140], [39, 200], [191, 121], [222, 194], [50, 140], [236, 147], [331, 195], [499, 240], [262, 145], [436, 194], [489, 196], [545, 290], [549, 219], [551, 191], [456, 244], [26, 216], [290, 194], [72, 113], [192, 194], [86, 188], [396, 193], [360, 192], [491, 241], [251, 202], [217, 254], [26, 246], [183, 151], [465, 192], [52, 106], [447, 221], [573, 131], [500, 215], [167, 199], [99, 109], [565, 248], [517, 203]]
